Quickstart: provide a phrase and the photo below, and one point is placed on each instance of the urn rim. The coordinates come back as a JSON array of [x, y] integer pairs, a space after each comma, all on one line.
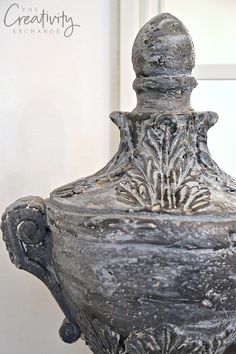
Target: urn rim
[[58, 209]]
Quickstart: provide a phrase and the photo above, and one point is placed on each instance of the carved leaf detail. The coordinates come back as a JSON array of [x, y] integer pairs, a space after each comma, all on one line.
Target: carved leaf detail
[[164, 175], [168, 340], [100, 338], [173, 341]]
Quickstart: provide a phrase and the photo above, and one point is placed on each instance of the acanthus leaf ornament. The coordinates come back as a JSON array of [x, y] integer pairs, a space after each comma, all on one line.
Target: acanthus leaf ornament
[[165, 175]]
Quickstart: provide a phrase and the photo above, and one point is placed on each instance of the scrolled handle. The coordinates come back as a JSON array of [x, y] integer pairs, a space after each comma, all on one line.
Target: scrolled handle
[[27, 239], [24, 229], [30, 232]]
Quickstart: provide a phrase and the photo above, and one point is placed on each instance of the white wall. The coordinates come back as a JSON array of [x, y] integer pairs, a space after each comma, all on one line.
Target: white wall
[[55, 98]]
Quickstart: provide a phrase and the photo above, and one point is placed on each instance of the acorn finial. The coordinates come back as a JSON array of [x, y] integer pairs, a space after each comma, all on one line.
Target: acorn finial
[[163, 59]]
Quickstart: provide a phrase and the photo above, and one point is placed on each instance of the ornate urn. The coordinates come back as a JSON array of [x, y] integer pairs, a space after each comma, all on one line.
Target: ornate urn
[[141, 256]]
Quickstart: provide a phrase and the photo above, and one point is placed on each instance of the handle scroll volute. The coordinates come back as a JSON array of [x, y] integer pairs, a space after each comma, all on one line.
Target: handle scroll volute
[[27, 239]]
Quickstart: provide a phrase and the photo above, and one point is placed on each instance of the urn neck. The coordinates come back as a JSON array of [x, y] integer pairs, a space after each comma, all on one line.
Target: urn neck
[[164, 94]]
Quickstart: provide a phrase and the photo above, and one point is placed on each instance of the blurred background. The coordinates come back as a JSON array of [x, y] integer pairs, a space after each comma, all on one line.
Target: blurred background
[[56, 94]]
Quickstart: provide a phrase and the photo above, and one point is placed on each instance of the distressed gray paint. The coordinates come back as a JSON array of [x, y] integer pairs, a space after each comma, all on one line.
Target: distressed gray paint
[[141, 255]]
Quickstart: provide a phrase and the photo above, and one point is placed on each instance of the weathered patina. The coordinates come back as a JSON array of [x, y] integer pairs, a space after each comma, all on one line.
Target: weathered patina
[[141, 256]]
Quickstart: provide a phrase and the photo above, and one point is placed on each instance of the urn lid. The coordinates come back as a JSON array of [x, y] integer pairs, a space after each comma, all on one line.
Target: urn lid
[[163, 165]]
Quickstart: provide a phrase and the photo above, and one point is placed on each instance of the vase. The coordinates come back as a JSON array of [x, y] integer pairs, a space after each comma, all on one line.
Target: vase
[[141, 256]]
